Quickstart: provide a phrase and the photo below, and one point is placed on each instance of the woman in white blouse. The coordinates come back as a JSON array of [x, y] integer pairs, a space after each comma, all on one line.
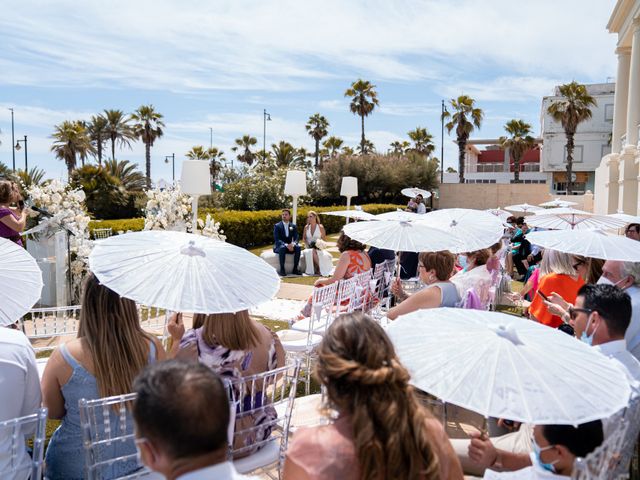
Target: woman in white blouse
[[317, 260]]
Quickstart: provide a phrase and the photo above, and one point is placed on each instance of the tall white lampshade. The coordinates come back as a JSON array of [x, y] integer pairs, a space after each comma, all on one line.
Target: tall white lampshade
[[295, 185], [349, 188], [195, 181]]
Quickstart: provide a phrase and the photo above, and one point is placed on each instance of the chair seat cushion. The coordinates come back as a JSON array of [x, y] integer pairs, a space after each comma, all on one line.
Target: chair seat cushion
[[303, 326], [267, 455], [296, 341]]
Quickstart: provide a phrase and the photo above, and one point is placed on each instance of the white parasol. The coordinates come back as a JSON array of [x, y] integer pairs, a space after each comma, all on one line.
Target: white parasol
[[413, 192], [498, 212], [625, 218], [558, 203], [183, 272], [401, 236], [588, 243], [355, 214], [508, 367], [524, 208], [473, 229], [572, 219], [399, 216], [20, 282]]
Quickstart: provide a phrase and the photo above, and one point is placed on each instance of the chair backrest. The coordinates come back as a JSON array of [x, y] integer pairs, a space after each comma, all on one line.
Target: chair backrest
[[258, 396], [15, 462], [601, 464], [322, 302], [390, 266], [154, 319], [99, 233], [345, 297], [52, 322], [362, 291], [108, 438]]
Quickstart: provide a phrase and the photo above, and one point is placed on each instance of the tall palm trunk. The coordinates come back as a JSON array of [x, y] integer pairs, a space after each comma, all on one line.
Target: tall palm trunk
[[99, 145], [516, 168], [113, 148], [570, 147], [317, 151], [362, 139], [147, 152], [462, 143]]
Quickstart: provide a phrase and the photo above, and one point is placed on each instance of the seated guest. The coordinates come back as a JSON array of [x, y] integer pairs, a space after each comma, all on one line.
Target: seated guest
[[421, 207], [19, 389], [435, 269], [111, 349], [493, 263], [285, 235], [379, 255], [521, 248], [412, 206], [382, 431], [632, 231], [590, 269], [558, 275], [555, 449], [234, 345], [408, 265], [317, 260], [181, 415], [353, 260], [475, 275]]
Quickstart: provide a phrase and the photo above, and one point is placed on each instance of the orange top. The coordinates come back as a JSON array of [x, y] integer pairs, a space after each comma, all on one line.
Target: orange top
[[359, 262], [563, 285]]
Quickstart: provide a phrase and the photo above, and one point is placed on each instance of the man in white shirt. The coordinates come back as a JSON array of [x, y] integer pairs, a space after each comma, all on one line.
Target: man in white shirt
[[19, 384], [421, 208], [182, 418], [626, 275]]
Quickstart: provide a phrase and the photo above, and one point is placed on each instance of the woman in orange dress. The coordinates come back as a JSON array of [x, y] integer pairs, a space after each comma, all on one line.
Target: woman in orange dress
[[557, 275]]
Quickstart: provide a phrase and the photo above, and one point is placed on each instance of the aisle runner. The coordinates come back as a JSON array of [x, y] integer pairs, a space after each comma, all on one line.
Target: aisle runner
[[278, 309]]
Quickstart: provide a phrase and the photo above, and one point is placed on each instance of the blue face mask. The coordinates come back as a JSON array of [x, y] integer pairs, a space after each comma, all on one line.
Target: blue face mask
[[537, 451], [588, 339], [462, 261]]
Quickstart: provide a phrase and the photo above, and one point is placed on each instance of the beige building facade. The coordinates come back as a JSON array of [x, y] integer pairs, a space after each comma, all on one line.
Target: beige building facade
[[617, 177]]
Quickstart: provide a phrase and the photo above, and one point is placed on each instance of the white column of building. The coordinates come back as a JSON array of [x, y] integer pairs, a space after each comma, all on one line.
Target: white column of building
[[633, 103], [621, 98]]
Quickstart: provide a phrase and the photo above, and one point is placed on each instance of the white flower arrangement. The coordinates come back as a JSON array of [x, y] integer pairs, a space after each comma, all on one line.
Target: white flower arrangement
[[168, 209], [68, 210], [210, 228], [321, 244]]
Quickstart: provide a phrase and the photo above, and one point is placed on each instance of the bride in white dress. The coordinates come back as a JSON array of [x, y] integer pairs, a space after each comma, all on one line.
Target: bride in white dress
[[316, 260]]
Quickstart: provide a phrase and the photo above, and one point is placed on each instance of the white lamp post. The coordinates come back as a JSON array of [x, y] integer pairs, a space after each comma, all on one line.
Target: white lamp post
[[349, 188], [195, 181], [295, 185]]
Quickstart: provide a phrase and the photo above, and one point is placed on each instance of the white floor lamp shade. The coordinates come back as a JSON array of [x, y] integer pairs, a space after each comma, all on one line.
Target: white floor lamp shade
[[195, 181], [295, 185], [349, 188]]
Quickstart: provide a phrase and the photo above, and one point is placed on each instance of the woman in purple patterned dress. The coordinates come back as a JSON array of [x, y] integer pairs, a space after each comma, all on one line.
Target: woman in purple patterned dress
[[235, 346], [12, 220]]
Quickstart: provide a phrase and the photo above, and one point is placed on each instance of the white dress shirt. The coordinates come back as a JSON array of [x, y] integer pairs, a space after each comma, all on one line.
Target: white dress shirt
[[632, 336], [535, 472], [422, 208], [19, 384], [219, 471]]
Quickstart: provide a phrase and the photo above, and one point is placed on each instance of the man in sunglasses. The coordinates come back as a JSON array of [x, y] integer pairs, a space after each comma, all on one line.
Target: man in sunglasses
[[632, 231]]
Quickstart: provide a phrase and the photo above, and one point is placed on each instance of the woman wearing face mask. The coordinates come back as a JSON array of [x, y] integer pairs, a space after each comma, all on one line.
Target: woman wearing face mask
[[475, 275], [555, 449], [435, 269]]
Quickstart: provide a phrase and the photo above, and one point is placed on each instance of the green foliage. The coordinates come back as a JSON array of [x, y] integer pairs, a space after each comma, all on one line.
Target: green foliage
[[380, 177], [256, 192], [247, 229], [105, 195]]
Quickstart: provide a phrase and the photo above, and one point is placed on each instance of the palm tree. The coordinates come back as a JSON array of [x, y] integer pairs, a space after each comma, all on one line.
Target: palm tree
[[148, 128], [466, 116], [245, 143], [35, 176], [571, 110], [97, 129], [422, 141], [118, 130], [216, 160], [347, 150], [333, 144], [71, 140], [399, 147], [518, 143], [197, 152], [130, 177], [286, 154], [364, 99], [369, 147], [317, 126]]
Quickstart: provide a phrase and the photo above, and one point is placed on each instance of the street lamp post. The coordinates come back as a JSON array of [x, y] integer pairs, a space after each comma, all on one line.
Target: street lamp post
[[173, 165], [265, 116], [13, 142], [17, 147], [210, 137], [442, 144]]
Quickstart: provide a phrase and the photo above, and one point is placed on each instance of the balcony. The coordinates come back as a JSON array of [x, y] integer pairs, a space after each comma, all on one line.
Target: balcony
[[499, 168]]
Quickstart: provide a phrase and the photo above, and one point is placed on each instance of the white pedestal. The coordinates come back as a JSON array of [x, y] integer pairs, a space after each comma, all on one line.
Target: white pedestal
[[51, 256]]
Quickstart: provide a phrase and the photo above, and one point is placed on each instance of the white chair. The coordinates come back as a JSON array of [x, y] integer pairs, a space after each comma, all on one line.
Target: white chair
[[601, 463], [362, 291], [263, 395], [15, 462], [346, 296], [326, 297], [108, 439], [40, 323], [102, 233], [155, 320]]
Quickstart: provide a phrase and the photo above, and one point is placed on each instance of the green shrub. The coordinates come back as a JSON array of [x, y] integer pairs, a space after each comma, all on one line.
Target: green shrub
[[106, 197], [248, 229]]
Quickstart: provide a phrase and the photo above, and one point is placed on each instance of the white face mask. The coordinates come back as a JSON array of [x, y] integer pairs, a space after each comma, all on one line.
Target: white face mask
[[605, 281]]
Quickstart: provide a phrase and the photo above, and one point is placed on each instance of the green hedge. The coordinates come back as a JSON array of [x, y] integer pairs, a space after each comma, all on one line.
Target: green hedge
[[247, 228]]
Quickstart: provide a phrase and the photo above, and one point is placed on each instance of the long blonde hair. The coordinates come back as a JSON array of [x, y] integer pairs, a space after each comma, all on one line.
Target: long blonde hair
[[118, 346], [364, 378], [235, 331], [554, 261]]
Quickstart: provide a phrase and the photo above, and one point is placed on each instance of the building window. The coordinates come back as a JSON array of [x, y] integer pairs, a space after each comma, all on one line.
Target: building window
[[608, 112], [577, 154]]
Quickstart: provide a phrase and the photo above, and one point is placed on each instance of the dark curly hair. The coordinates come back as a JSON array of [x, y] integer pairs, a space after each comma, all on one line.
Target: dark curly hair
[[345, 243]]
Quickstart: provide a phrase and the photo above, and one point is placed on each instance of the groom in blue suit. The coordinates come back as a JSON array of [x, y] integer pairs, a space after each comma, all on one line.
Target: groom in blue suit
[[285, 235]]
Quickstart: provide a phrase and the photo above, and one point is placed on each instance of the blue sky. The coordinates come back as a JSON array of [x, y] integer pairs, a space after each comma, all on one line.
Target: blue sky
[[217, 64]]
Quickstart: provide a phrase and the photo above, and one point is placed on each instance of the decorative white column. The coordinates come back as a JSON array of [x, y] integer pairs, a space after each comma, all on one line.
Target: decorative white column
[[633, 102], [621, 98]]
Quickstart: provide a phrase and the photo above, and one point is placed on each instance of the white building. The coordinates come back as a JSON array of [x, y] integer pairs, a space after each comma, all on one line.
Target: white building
[[592, 141], [616, 186]]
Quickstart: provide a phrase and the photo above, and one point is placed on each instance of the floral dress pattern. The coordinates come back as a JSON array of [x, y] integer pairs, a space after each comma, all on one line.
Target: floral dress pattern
[[236, 364]]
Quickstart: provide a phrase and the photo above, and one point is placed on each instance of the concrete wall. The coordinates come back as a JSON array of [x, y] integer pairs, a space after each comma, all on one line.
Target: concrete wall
[[483, 196]]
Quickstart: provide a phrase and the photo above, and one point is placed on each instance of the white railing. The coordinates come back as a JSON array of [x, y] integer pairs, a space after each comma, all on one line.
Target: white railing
[[489, 168], [530, 167]]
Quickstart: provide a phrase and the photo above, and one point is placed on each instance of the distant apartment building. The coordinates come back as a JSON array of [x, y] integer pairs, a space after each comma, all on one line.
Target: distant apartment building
[[592, 141]]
